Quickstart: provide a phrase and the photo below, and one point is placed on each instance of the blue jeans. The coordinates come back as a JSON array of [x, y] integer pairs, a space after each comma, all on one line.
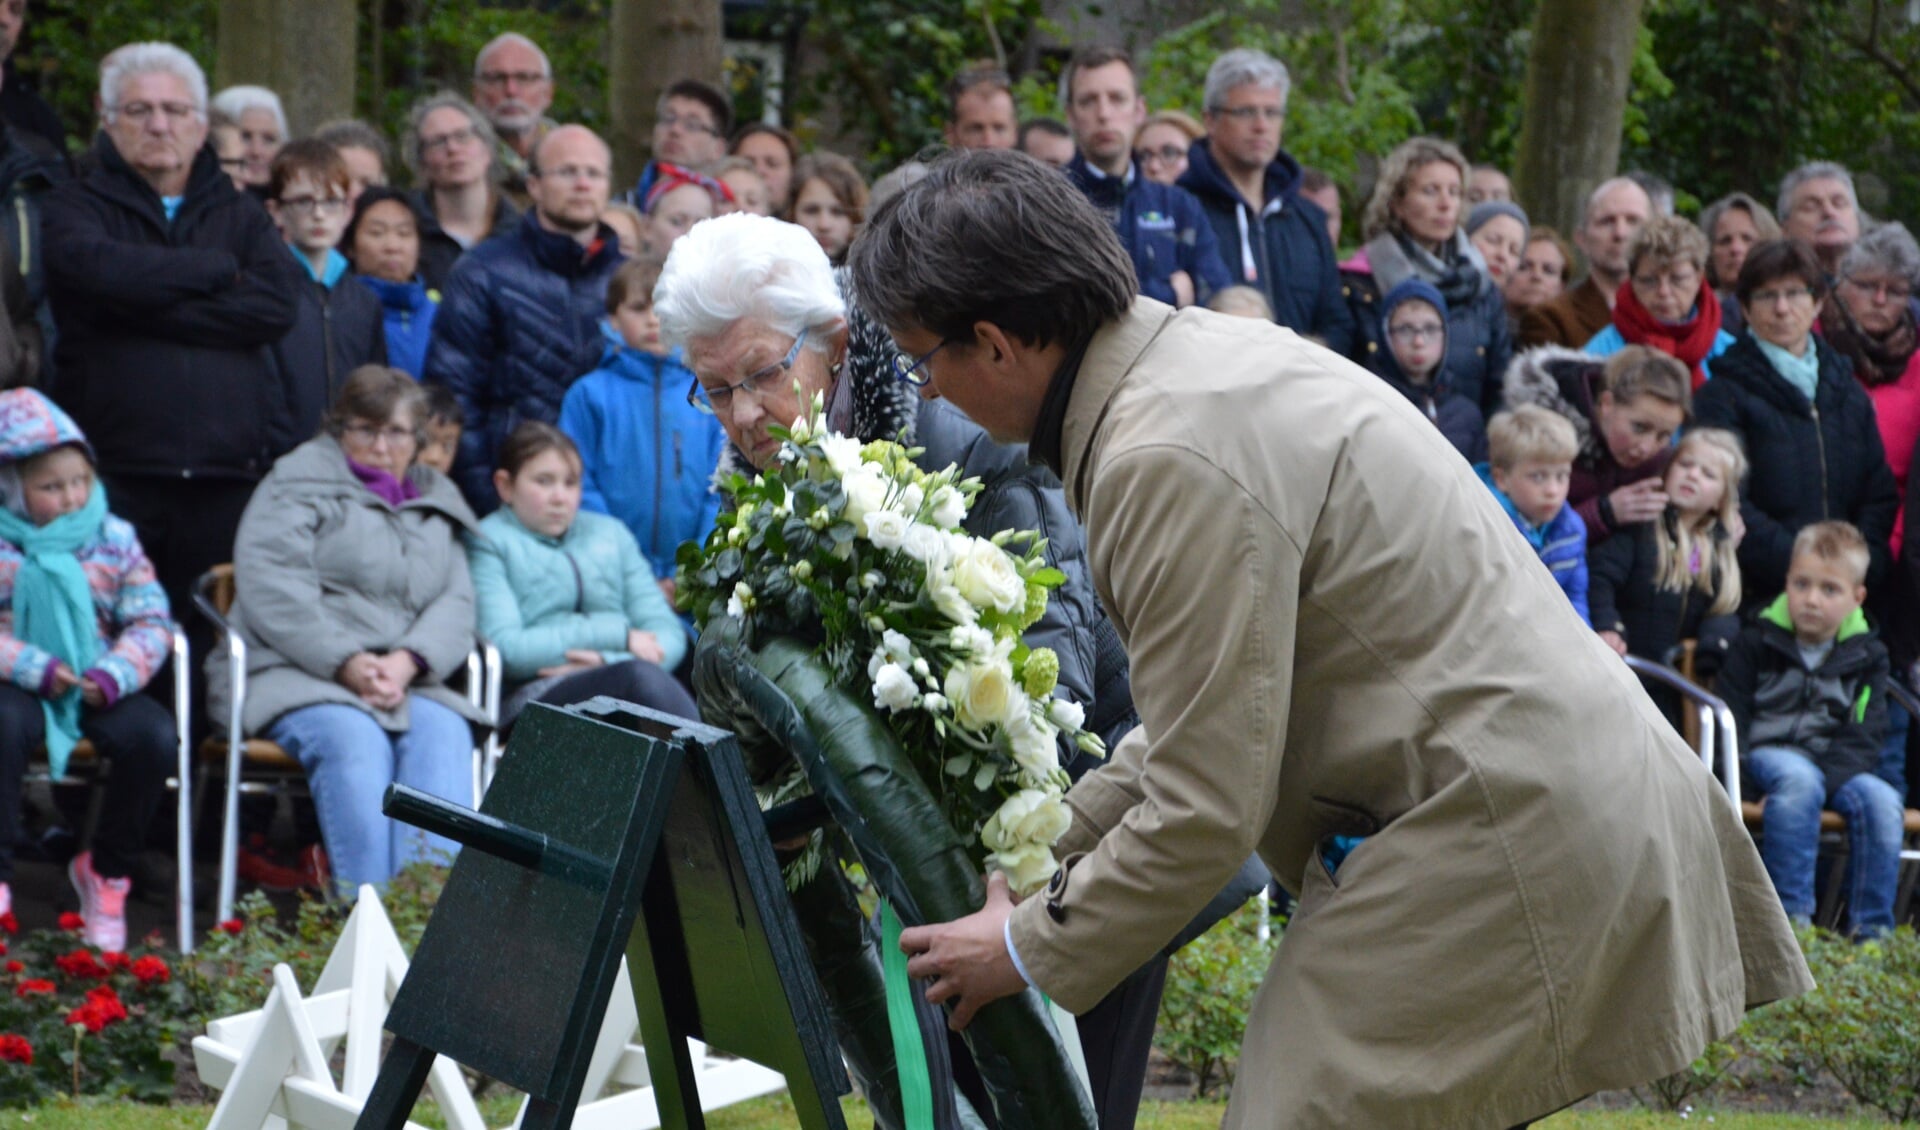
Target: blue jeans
[[350, 760], [1796, 790], [1893, 754]]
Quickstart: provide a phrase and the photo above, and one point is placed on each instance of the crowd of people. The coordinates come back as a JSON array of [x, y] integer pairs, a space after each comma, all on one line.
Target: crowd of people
[[410, 416]]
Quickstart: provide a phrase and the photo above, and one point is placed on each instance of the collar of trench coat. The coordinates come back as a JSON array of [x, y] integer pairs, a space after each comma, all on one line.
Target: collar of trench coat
[[1109, 358]]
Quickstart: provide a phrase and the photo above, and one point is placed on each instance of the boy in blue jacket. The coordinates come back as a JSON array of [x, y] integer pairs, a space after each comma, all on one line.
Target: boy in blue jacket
[[1531, 450], [648, 454]]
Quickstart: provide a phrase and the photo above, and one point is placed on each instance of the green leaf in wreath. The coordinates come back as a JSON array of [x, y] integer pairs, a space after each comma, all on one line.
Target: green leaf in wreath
[[958, 766], [983, 777]]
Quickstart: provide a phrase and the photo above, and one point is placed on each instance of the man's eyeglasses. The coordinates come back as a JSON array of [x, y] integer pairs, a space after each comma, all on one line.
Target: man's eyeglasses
[[307, 205], [518, 78], [1253, 113], [912, 370], [714, 401], [449, 140], [686, 122]]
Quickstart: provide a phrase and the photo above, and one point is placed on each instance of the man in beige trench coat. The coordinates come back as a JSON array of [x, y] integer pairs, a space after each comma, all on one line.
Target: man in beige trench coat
[[1334, 631]]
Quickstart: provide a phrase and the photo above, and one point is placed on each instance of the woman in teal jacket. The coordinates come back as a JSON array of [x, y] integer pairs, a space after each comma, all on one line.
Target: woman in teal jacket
[[566, 596]]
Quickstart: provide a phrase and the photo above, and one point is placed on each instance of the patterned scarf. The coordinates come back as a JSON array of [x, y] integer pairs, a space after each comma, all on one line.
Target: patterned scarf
[[1876, 360]]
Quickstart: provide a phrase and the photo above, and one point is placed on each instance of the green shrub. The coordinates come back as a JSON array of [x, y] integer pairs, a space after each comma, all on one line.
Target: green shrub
[[1210, 983], [1859, 1025], [1677, 1091]]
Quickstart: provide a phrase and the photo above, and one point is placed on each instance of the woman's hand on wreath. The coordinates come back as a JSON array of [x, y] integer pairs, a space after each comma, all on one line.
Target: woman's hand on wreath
[[966, 959]]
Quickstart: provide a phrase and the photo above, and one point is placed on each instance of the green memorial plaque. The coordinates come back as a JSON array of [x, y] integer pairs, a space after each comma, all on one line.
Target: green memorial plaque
[[609, 828]]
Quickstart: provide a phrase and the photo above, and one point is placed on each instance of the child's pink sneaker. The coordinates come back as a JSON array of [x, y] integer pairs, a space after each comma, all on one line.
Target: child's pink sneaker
[[103, 903]]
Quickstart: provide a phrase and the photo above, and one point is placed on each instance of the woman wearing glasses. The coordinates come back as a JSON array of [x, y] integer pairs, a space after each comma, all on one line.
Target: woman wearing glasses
[[1808, 426], [450, 147], [352, 594], [767, 325], [338, 327]]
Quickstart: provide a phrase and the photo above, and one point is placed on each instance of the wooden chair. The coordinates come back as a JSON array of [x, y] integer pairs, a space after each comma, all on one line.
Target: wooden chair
[[85, 767], [256, 765]]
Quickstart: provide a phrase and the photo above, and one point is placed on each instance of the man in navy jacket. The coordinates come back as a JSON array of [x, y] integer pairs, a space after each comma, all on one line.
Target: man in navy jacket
[[1162, 227], [1269, 236]]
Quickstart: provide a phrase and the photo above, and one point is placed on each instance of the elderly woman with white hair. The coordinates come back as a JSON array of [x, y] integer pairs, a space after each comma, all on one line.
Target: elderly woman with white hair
[[1413, 228], [767, 324], [256, 112], [1868, 318]]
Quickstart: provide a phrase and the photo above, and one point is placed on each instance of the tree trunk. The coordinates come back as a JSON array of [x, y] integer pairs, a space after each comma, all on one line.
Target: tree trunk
[[655, 43], [302, 50], [1577, 76]]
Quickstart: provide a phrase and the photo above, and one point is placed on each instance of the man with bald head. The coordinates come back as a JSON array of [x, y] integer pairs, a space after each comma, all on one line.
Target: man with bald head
[[519, 320], [1614, 214]]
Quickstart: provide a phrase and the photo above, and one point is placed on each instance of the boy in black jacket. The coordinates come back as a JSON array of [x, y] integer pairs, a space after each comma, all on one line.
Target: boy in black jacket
[[1807, 684]]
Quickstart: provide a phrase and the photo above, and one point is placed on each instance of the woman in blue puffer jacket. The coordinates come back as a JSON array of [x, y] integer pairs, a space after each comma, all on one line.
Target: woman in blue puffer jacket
[[566, 596]]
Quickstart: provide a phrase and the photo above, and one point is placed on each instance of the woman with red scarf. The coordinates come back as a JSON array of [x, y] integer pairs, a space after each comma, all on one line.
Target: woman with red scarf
[[1665, 304]]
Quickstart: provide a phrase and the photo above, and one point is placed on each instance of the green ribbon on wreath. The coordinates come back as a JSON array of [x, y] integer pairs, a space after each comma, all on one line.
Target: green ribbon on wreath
[[909, 1053]]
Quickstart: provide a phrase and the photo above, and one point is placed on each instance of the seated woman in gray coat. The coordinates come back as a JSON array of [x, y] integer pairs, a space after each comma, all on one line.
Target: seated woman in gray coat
[[352, 593]]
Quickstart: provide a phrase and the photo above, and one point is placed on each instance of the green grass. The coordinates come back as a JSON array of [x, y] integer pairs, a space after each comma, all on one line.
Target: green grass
[[776, 1113]]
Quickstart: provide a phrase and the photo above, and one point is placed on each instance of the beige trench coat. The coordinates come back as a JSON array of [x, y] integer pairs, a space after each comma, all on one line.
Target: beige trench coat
[[1335, 630]]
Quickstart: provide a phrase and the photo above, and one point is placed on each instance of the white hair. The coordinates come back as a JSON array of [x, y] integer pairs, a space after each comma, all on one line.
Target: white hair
[[123, 63], [237, 100], [518, 40], [1606, 186], [746, 266], [1245, 66], [1813, 170]]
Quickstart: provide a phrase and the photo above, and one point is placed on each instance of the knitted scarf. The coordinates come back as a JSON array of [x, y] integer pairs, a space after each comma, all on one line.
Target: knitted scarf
[[1458, 272], [1689, 341], [1876, 360], [53, 607]]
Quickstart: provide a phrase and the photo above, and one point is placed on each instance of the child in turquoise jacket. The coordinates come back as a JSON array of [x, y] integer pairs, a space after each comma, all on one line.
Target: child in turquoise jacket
[[566, 595]]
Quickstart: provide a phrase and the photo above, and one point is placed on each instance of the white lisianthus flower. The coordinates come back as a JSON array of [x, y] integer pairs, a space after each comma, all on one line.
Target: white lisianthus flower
[[986, 576], [911, 498], [1033, 746], [866, 487], [949, 507], [895, 649], [948, 601], [934, 703], [893, 689], [842, 452], [1066, 714], [735, 609], [884, 528], [1028, 868], [800, 430], [928, 545], [984, 694], [1030, 816], [972, 640]]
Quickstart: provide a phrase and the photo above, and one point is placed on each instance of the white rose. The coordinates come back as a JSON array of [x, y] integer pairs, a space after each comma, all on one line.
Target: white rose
[[1030, 816], [866, 487], [1066, 714], [893, 689], [885, 529], [983, 695], [842, 452], [949, 507], [1028, 868], [986, 576], [1033, 746]]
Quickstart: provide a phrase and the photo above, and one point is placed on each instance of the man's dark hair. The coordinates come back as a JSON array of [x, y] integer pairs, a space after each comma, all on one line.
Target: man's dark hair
[[708, 95], [993, 236], [1779, 259], [1086, 59], [1053, 127]]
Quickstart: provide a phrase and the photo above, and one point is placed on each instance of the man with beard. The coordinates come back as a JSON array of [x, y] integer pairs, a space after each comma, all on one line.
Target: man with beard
[[520, 317], [513, 86]]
